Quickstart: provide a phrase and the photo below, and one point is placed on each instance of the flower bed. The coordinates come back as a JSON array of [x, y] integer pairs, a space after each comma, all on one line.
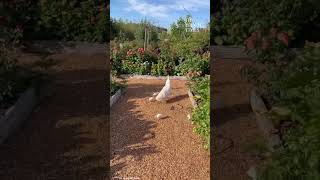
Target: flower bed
[[143, 62]]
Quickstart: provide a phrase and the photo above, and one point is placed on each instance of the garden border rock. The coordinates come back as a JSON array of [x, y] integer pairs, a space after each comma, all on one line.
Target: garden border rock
[[114, 98], [18, 113], [191, 97], [264, 123]]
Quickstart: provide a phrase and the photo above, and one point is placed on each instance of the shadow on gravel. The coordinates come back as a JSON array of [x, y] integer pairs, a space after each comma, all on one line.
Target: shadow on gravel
[[177, 98], [226, 114], [130, 129], [66, 135]]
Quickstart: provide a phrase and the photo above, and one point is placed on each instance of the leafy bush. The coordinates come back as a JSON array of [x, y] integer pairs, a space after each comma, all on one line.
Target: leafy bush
[[7, 74], [85, 20], [241, 18], [195, 64], [9, 38], [297, 98], [201, 115]]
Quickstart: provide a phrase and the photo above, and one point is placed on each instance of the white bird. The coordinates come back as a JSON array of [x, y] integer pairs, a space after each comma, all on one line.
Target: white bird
[[165, 91], [152, 99]]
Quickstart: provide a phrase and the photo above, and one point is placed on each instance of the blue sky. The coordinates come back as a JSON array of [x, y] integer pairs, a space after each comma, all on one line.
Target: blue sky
[[161, 12]]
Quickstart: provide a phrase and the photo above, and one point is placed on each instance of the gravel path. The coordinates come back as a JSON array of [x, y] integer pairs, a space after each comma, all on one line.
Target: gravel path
[[66, 136], [147, 148], [235, 124]]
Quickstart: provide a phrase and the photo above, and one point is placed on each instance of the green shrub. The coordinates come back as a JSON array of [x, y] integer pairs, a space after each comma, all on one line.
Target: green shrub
[[193, 64], [241, 18], [9, 38], [201, 115], [298, 95]]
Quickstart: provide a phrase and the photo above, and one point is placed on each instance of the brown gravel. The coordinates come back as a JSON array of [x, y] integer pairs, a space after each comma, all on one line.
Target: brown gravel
[[147, 148], [67, 134], [235, 125]]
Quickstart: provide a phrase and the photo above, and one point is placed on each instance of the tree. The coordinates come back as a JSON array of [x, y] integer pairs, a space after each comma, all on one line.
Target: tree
[[182, 29]]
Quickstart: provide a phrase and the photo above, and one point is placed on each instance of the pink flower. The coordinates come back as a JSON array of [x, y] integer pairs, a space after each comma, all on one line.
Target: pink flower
[[129, 52]]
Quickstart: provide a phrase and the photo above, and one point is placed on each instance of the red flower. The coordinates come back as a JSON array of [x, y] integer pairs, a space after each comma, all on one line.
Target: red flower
[[141, 50], [283, 37]]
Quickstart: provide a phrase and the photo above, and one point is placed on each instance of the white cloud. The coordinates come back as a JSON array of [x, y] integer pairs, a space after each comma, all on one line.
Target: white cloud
[[190, 5], [163, 10], [148, 9]]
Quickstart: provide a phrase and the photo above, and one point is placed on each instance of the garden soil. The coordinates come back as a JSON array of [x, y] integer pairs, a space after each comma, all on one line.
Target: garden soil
[[144, 147], [66, 136], [235, 126]]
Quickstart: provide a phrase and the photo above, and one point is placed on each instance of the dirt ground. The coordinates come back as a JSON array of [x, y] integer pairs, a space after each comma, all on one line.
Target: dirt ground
[[148, 148], [235, 125], [66, 136]]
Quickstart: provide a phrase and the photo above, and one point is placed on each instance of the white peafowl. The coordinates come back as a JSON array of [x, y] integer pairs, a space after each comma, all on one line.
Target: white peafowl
[[165, 92]]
